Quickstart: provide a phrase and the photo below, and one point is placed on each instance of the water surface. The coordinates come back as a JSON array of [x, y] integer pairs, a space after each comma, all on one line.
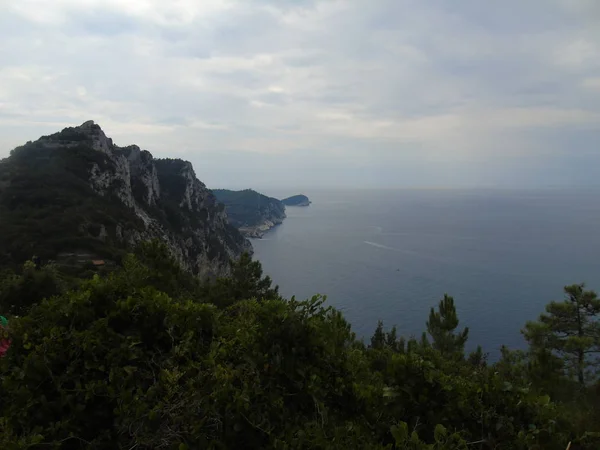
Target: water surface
[[391, 255]]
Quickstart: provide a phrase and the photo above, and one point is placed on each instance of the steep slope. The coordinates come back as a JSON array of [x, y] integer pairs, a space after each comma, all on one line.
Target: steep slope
[[76, 191], [251, 212]]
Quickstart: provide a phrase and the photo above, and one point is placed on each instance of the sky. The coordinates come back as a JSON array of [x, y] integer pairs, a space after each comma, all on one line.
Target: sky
[[317, 93]]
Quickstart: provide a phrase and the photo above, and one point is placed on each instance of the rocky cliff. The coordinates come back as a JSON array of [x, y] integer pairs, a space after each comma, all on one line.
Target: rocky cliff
[[251, 212], [78, 191]]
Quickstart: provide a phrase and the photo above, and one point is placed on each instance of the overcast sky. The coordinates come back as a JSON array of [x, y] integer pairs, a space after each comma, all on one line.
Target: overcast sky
[[362, 93]]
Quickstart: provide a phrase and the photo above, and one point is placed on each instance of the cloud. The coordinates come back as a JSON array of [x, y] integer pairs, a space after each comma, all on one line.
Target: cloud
[[409, 91], [592, 83]]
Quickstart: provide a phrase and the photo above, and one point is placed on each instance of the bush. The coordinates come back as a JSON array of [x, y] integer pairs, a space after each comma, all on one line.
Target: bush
[[146, 357]]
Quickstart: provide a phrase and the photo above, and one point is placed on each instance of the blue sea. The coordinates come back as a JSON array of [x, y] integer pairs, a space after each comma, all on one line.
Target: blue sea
[[391, 255]]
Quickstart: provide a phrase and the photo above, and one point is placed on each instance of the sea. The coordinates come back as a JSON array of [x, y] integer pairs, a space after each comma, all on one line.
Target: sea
[[391, 255]]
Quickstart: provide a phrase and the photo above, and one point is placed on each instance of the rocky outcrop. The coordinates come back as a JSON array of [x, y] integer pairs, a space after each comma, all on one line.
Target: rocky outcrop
[[132, 198], [258, 231], [251, 212], [98, 139], [143, 172]]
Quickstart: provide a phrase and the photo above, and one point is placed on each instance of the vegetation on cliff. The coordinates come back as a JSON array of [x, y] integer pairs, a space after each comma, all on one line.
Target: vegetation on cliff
[[296, 200], [76, 192], [46, 198], [249, 208], [147, 356]]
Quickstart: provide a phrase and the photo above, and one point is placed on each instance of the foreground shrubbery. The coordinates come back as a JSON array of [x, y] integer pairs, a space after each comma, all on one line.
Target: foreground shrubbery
[[148, 357]]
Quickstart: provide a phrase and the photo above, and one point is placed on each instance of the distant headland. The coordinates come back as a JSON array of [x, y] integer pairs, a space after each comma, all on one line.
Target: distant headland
[[296, 200], [253, 213]]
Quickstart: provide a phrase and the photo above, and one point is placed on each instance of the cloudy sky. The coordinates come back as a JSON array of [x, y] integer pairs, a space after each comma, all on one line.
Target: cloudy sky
[[363, 93]]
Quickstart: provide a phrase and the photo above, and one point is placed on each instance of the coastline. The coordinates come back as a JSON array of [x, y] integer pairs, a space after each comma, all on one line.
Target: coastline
[[300, 205], [258, 231]]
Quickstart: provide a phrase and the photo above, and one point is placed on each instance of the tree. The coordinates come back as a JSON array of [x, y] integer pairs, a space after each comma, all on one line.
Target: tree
[[378, 338], [442, 325], [165, 273], [382, 339], [247, 276], [391, 340], [100, 358], [246, 281], [116, 362], [18, 292], [570, 329], [478, 358]]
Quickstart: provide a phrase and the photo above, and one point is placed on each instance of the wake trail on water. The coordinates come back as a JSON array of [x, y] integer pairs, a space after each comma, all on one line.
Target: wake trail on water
[[411, 252], [394, 249], [375, 244], [437, 259]]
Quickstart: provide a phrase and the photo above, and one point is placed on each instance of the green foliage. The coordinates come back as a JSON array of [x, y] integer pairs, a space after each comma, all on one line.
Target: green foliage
[[478, 358], [249, 208], [148, 357], [46, 202], [296, 200], [246, 281], [18, 292], [571, 330], [442, 325], [442, 439], [378, 338], [165, 273], [90, 363]]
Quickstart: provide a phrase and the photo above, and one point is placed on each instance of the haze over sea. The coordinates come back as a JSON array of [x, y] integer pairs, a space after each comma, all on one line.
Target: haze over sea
[[392, 254]]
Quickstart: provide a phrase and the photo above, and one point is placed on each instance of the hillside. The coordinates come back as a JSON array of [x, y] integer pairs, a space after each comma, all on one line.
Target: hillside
[[251, 212], [296, 200], [77, 193]]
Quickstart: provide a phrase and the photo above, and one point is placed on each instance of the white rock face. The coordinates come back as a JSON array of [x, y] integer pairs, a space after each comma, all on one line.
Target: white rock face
[[100, 180], [192, 187], [201, 239], [142, 167], [99, 140]]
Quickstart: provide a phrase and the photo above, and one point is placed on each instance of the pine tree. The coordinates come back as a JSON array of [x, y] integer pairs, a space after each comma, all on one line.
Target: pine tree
[[442, 325], [391, 339], [378, 339], [248, 280], [571, 329], [245, 281], [478, 358]]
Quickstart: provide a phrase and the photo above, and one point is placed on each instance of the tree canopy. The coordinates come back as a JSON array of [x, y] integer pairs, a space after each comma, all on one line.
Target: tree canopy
[[571, 329], [147, 356], [441, 326]]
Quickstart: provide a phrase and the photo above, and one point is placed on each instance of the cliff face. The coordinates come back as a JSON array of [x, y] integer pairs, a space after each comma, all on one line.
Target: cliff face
[[98, 196], [251, 212]]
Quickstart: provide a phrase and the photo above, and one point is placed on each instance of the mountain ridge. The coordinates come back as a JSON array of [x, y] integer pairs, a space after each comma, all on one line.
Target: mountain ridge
[[76, 189]]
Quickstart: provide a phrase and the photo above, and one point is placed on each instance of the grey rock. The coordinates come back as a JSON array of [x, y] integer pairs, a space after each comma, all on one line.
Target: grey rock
[[154, 190]]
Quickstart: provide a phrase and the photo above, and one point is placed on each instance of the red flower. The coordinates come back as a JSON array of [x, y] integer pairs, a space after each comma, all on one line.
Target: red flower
[[4, 346]]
